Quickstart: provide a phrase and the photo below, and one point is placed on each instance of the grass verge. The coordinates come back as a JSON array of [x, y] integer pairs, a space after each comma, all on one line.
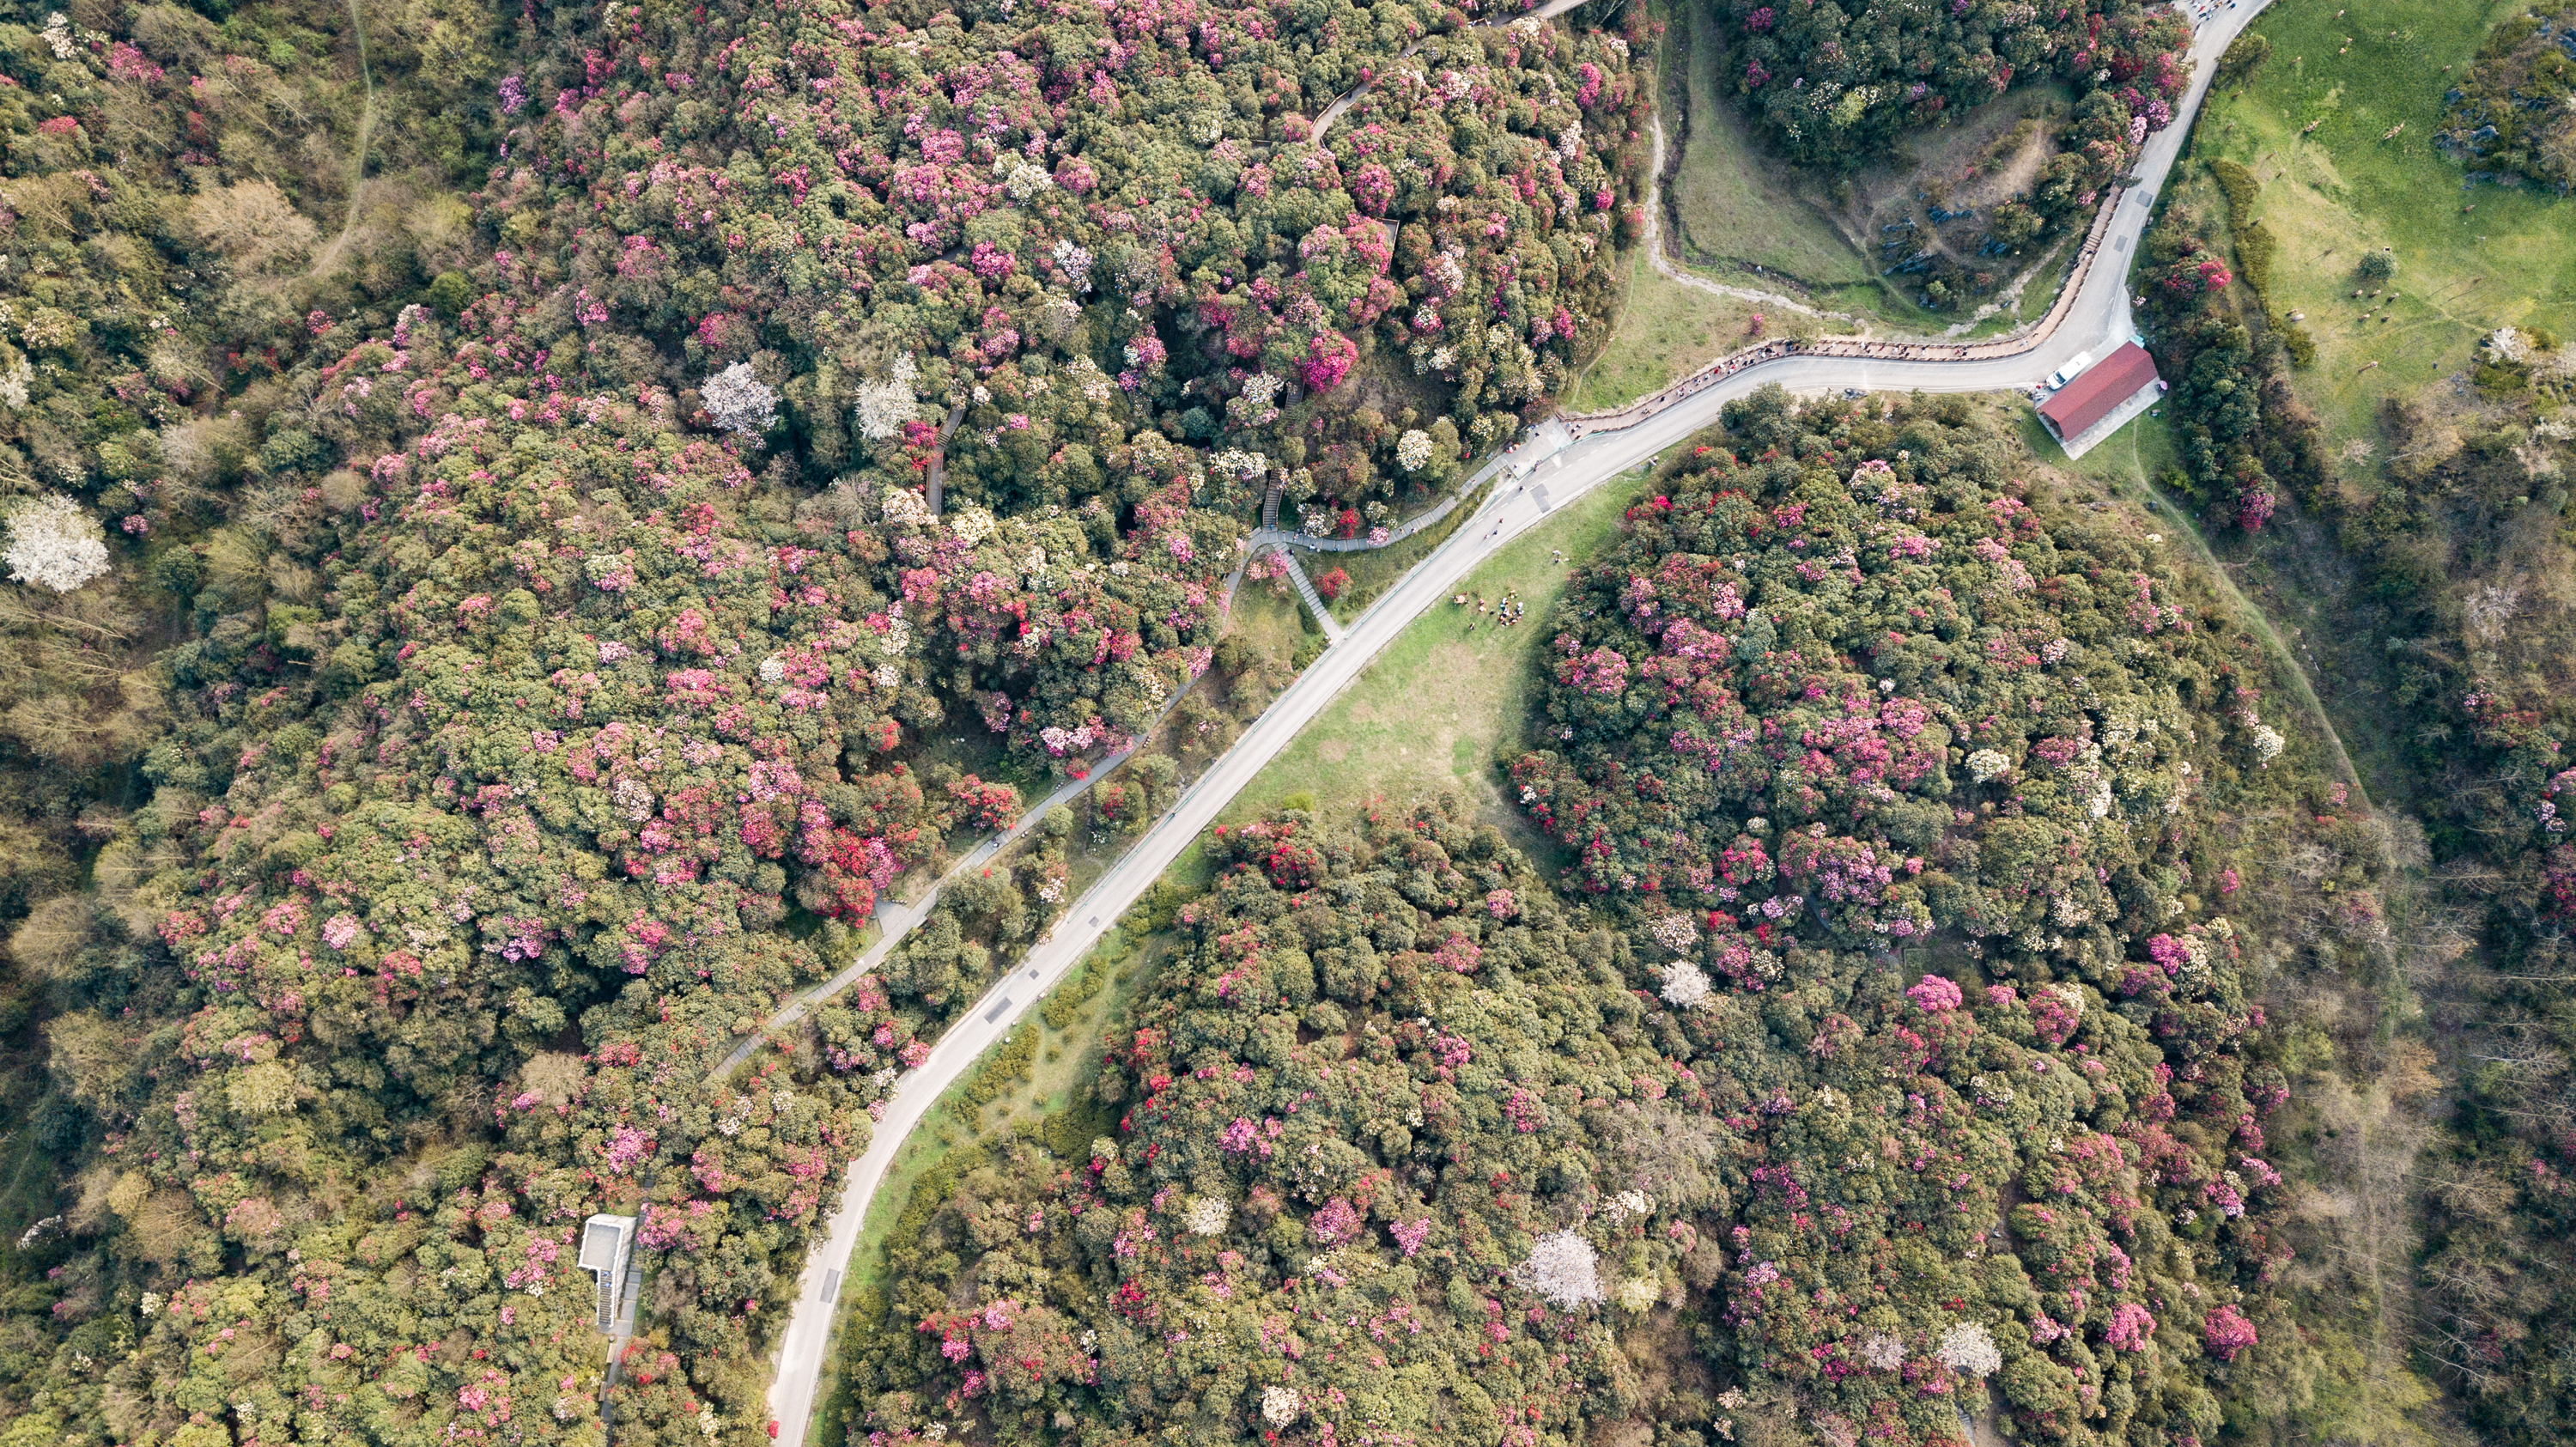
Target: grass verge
[[1373, 572], [1023, 1084], [1666, 330]]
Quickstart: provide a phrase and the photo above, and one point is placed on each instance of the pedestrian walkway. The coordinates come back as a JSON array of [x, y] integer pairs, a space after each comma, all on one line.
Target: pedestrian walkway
[[1314, 600], [2028, 339]]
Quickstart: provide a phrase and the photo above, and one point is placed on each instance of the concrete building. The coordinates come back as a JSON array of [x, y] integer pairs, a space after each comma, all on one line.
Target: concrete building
[[606, 1243], [2097, 401]]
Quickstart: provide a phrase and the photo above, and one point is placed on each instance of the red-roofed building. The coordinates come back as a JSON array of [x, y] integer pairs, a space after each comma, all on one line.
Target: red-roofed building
[[2123, 383]]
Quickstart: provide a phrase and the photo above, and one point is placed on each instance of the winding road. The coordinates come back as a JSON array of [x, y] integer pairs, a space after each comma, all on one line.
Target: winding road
[[1558, 462]]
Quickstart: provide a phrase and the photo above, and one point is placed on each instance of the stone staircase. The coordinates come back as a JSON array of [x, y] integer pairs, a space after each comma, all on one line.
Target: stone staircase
[[1314, 600]]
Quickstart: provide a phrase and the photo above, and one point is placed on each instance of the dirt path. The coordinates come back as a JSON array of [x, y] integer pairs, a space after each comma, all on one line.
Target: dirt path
[[2011, 296], [1664, 265], [329, 256], [933, 493]]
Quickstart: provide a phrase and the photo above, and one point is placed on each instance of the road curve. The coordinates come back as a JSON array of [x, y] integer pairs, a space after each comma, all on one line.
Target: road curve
[[1554, 467]]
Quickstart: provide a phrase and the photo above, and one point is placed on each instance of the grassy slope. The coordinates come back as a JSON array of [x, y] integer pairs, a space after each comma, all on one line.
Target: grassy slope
[[2338, 191], [1736, 205], [1433, 711], [1270, 617], [1666, 330]]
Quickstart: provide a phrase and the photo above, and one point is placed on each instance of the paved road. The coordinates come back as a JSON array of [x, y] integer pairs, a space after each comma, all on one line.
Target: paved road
[[1548, 471], [896, 919]]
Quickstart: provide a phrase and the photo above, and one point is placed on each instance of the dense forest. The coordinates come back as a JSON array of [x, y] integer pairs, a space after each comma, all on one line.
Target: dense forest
[[1934, 722], [1939, 1092], [481, 619], [522, 527]]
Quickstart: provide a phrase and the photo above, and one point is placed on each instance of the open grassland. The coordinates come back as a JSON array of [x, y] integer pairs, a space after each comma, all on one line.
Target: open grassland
[[1666, 331], [2469, 258], [1436, 708]]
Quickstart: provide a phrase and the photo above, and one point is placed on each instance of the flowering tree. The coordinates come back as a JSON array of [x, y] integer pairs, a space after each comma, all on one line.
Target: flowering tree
[[1968, 1350], [54, 543], [1563, 1268], [739, 402]]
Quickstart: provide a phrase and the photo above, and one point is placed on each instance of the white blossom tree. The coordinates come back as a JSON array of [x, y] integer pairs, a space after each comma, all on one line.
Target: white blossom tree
[[739, 402], [2267, 743], [1686, 985], [1563, 1268], [1674, 932], [1413, 449], [888, 402], [1969, 1351], [55, 543], [1207, 1215]]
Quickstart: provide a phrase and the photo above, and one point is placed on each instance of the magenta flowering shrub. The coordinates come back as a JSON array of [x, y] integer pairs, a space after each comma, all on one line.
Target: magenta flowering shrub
[[2226, 1332], [1080, 225], [1316, 1163]]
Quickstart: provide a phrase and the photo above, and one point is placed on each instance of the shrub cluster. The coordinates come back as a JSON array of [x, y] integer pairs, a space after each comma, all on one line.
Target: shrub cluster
[[1932, 1070], [1068, 225], [2227, 356], [2510, 114], [1835, 85]]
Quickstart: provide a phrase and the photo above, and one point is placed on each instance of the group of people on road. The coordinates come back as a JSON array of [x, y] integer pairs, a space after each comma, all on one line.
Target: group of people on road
[[1894, 351], [1840, 347]]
